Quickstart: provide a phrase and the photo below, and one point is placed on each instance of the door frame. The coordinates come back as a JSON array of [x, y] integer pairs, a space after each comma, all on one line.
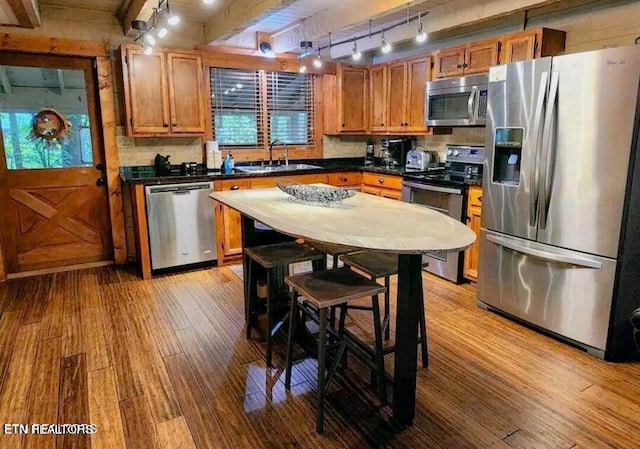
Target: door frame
[[106, 102]]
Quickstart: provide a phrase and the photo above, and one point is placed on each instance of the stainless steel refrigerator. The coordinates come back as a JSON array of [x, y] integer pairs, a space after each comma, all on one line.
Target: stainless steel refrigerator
[[560, 240]]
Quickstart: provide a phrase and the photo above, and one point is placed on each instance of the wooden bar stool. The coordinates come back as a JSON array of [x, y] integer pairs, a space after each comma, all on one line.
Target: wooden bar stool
[[376, 265], [333, 250], [275, 259], [321, 291]]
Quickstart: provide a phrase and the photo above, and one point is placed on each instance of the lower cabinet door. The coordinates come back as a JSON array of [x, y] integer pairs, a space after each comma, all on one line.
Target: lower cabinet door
[[232, 234], [472, 254], [370, 190]]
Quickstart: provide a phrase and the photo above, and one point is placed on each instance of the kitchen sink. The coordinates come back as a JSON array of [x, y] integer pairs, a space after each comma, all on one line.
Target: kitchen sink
[[274, 168]]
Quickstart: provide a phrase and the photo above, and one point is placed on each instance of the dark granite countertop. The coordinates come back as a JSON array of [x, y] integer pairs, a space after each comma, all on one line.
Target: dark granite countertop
[[147, 174]]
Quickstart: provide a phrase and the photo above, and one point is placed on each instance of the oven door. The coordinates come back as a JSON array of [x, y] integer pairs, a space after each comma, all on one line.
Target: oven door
[[449, 201]]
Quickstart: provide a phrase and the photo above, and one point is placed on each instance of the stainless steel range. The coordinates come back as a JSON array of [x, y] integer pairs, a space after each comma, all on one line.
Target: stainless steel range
[[445, 190]]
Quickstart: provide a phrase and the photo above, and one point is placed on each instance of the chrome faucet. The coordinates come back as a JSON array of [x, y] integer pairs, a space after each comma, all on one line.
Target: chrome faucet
[[271, 150]]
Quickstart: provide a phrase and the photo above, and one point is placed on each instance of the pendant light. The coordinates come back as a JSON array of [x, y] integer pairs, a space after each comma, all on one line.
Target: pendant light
[[172, 19], [356, 55], [421, 36], [386, 47], [317, 63]]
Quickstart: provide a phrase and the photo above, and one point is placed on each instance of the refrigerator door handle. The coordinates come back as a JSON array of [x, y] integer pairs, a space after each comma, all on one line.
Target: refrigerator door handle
[[533, 174], [548, 146], [547, 254], [471, 104]]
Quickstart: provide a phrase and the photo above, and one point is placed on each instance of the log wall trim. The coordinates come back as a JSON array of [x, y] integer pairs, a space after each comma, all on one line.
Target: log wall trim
[[98, 51]]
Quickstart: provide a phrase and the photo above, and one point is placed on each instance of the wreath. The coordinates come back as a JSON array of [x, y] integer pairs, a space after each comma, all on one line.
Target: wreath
[[50, 127]]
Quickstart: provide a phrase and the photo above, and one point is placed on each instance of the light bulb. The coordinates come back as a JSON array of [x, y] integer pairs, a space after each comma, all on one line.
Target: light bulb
[[421, 36], [150, 39], [302, 69], [386, 47], [148, 50], [356, 55], [317, 63], [162, 32], [173, 20]]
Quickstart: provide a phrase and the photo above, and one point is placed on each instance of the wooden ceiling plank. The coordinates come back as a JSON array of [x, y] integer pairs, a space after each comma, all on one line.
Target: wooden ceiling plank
[[26, 11], [137, 10], [238, 15]]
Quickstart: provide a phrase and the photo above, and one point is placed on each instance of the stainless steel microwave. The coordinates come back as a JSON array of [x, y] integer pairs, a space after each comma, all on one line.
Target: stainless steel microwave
[[457, 101]]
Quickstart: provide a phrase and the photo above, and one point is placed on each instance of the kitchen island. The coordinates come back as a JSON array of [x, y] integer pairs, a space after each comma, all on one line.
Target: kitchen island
[[367, 222]]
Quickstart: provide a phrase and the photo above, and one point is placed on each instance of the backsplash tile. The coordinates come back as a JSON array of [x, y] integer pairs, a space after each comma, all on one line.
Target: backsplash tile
[[142, 151]]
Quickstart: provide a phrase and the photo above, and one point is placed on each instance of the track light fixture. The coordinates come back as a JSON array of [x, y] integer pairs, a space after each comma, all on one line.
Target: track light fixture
[[317, 63], [148, 50], [421, 36], [305, 46], [356, 55], [156, 28], [386, 47]]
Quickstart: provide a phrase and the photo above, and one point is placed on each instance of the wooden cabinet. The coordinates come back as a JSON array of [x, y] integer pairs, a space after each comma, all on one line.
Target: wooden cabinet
[[353, 98], [378, 96], [388, 186], [474, 214], [470, 59], [163, 93], [347, 179], [228, 221], [532, 44], [397, 96]]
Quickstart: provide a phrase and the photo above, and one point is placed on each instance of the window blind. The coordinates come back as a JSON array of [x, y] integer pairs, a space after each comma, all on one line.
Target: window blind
[[237, 108], [290, 110]]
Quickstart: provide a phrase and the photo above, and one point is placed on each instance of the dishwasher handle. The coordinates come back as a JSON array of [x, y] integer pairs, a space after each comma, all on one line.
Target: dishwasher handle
[[179, 188], [181, 192]]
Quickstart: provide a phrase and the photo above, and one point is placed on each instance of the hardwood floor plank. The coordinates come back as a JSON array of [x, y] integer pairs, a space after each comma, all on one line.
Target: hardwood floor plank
[[38, 294], [73, 339], [171, 308], [52, 324], [104, 411], [198, 413], [93, 321], [119, 344], [45, 393], [139, 429], [74, 401], [9, 326], [267, 424], [15, 388], [175, 434]]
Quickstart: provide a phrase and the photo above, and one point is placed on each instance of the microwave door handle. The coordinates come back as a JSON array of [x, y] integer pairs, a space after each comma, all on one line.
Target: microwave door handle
[[548, 147], [535, 164], [471, 103]]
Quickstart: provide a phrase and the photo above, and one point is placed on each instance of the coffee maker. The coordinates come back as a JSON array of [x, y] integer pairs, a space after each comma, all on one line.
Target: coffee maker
[[397, 150]]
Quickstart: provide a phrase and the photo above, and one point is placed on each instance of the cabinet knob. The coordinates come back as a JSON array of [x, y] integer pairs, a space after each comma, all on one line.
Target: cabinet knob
[[174, 124], [100, 182], [459, 66], [343, 179], [343, 125], [381, 124], [381, 180], [166, 125], [480, 199], [235, 187]]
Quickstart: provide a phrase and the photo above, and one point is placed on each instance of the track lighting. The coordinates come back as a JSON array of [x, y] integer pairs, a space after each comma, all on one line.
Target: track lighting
[[150, 39], [317, 63], [148, 50], [421, 36], [386, 47], [356, 55], [162, 32], [173, 20], [302, 69]]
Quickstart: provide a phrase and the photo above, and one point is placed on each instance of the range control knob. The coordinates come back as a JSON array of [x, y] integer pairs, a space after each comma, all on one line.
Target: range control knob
[[449, 152], [456, 153]]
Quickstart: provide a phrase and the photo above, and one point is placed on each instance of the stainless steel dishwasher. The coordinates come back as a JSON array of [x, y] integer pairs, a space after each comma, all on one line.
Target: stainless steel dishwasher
[[181, 223]]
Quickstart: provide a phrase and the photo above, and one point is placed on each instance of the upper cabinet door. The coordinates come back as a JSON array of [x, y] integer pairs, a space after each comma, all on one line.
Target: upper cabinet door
[[397, 97], [147, 100], [378, 94], [418, 71], [518, 48], [186, 93], [353, 89], [449, 62], [480, 57]]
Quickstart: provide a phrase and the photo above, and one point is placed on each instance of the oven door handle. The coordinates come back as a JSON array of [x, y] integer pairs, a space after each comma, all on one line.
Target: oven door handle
[[471, 104], [429, 188]]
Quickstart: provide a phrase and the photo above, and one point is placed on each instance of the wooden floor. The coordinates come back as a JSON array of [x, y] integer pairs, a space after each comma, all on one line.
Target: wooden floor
[[165, 364]]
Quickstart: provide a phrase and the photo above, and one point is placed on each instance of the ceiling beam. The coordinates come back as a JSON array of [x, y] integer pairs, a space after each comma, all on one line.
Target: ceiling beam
[[238, 15], [136, 10], [27, 12]]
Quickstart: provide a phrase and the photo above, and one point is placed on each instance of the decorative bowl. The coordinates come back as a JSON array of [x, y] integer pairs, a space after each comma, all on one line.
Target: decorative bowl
[[316, 194]]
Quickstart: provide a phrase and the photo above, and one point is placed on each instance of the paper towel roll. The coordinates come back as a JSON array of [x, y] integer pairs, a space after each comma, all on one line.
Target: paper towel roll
[[214, 157]]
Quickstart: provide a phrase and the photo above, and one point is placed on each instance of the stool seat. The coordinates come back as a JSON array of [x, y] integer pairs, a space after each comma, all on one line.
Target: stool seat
[[330, 288], [271, 256], [373, 263], [332, 249]]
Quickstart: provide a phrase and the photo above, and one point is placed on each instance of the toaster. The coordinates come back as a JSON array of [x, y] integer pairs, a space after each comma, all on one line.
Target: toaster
[[417, 160]]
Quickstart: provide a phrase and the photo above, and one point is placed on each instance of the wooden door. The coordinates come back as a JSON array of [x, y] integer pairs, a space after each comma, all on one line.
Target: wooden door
[[418, 74], [147, 98], [353, 95], [54, 209], [449, 62], [379, 98], [474, 214], [480, 57], [397, 97], [186, 96], [518, 48]]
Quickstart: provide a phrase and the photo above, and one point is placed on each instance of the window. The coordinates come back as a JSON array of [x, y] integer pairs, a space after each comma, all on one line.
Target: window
[[252, 108]]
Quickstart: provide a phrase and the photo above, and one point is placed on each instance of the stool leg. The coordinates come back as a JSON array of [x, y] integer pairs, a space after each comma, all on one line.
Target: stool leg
[[341, 327], [379, 356], [293, 324], [423, 336], [335, 261], [248, 289], [322, 349], [270, 306], [387, 308]]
